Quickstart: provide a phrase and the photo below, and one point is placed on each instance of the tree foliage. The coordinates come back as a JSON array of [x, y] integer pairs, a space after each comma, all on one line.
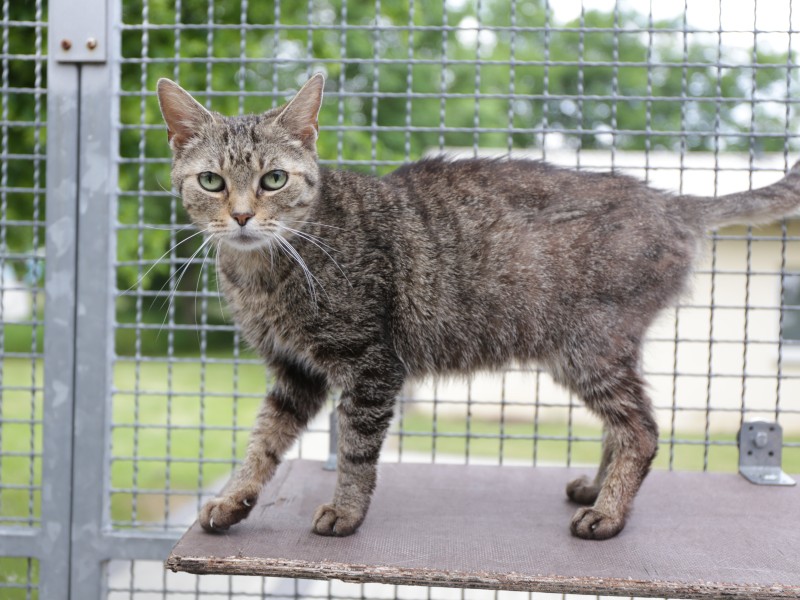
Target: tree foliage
[[402, 83]]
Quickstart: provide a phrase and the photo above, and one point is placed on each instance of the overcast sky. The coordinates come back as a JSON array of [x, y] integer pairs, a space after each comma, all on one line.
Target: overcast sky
[[739, 17], [734, 15]]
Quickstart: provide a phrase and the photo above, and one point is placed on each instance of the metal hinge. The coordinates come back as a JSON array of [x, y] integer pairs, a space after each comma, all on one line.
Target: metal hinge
[[760, 445]]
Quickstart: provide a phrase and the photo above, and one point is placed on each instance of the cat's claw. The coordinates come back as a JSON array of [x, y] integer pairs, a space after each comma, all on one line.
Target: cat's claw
[[335, 520], [222, 512], [591, 524]]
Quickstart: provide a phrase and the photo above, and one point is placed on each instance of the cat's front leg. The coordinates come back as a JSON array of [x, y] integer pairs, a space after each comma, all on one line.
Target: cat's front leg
[[364, 416], [284, 414]]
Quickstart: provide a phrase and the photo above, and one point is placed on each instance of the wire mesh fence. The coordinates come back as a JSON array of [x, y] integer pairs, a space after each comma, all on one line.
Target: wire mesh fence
[[146, 580], [695, 97], [691, 97], [22, 98], [22, 161], [20, 578]]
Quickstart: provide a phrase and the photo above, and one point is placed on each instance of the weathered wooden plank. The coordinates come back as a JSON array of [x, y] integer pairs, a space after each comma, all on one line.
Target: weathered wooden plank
[[693, 535]]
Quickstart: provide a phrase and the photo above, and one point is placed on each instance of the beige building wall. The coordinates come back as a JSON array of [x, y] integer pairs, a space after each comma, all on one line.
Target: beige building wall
[[693, 373]]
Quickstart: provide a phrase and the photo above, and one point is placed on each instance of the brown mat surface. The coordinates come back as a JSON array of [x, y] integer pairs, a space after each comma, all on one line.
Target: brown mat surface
[[692, 535]]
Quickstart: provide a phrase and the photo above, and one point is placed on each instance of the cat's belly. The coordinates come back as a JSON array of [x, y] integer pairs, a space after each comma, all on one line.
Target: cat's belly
[[487, 334]]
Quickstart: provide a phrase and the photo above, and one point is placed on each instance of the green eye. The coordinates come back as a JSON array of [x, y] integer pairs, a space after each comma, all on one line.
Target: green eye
[[274, 180], [211, 181]]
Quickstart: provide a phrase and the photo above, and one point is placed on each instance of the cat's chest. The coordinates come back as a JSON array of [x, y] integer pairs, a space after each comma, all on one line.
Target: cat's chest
[[262, 310]]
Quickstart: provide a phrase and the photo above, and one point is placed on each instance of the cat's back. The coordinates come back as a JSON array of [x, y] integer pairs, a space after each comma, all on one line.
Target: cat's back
[[537, 189], [521, 247], [534, 209], [442, 192], [477, 262]]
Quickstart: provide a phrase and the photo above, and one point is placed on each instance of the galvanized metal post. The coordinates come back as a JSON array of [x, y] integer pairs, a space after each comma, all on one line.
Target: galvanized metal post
[[63, 119], [59, 318], [94, 318], [79, 253], [50, 543]]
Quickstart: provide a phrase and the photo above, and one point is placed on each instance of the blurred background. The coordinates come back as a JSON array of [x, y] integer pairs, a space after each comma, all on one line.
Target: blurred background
[[693, 96]]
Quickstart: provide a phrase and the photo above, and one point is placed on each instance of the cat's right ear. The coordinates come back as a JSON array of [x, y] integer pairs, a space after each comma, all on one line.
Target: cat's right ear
[[183, 114]]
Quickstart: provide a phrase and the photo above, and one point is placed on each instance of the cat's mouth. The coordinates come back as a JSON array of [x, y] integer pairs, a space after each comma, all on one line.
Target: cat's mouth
[[245, 240]]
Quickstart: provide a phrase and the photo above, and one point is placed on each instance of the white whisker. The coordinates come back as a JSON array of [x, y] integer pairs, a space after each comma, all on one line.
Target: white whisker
[[271, 258], [309, 236], [202, 277], [181, 272], [263, 250], [197, 285], [294, 254], [312, 239], [290, 251], [160, 258], [217, 278], [313, 223], [170, 192], [166, 227]]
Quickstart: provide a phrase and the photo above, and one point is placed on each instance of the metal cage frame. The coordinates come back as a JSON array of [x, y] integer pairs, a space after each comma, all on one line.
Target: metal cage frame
[[105, 496]]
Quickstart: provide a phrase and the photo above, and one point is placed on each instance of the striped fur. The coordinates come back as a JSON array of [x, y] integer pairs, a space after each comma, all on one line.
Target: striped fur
[[342, 280]]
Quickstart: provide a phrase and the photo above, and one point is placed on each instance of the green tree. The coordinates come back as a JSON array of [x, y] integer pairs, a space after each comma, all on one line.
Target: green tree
[[602, 78]]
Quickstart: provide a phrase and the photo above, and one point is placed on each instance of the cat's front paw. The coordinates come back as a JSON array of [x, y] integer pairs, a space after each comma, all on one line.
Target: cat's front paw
[[337, 520], [222, 512], [591, 524], [583, 491]]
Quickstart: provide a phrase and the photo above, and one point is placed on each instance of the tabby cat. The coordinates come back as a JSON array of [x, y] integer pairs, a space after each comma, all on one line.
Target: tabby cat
[[344, 280]]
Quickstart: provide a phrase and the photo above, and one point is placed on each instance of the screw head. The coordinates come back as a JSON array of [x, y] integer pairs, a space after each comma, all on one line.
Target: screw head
[[91, 43], [66, 44], [761, 439]]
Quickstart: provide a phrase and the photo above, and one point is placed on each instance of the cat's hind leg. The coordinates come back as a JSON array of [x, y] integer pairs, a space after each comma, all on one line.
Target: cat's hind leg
[[296, 398], [632, 433], [584, 490]]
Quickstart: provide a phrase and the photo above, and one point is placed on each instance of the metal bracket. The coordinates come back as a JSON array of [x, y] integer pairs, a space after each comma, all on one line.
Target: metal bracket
[[78, 32], [760, 445]]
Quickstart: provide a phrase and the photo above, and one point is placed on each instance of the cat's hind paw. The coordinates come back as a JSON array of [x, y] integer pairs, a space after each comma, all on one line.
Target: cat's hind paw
[[336, 520], [591, 524], [220, 513], [582, 491]]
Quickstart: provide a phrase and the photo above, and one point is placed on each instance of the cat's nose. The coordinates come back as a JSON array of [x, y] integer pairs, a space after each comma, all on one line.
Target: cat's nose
[[242, 217]]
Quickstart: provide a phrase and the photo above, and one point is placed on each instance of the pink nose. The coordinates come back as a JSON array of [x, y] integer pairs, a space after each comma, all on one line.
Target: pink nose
[[242, 218]]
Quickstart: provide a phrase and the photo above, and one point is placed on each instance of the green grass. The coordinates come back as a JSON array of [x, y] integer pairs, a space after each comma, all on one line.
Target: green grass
[[514, 441], [16, 574], [22, 338], [182, 441], [163, 433], [20, 440], [20, 469], [192, 435]]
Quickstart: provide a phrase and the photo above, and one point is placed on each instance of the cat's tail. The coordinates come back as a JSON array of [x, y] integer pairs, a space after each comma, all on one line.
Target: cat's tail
[[762, 205]]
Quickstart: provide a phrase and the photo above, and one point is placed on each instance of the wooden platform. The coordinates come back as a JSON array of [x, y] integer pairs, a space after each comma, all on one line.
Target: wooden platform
[[692, 535]]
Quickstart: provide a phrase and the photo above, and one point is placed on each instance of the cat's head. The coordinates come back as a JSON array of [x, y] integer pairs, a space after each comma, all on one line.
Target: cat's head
[[244, 179]]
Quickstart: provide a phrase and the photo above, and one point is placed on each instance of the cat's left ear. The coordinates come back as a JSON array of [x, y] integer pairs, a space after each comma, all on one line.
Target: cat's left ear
[[301, 115]]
